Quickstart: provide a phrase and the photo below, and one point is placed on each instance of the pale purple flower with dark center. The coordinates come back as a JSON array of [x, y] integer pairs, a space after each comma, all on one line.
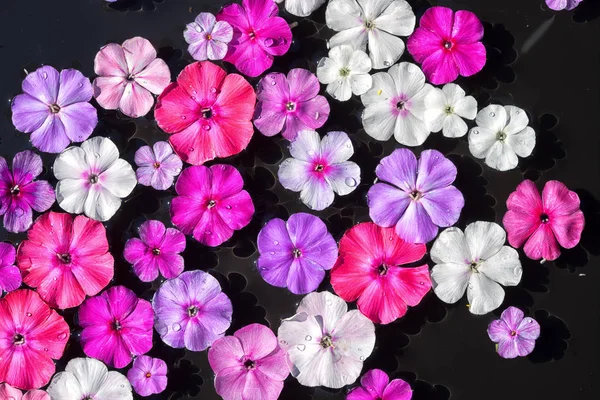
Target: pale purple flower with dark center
[[156, 250], [55, 108], [10, 276], [157, 165], [559, 5], [191, 311], [376, 385], [148, 375], [207, 37], [295, 254], [514, 333], [416, 197], [19, 193]]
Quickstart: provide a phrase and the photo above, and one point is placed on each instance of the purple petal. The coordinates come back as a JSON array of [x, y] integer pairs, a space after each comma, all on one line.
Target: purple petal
[[152, 233], [170, 265], [18, 217], [39, 195], [387, 204], [162, 150], [171, 165], [398, 390], [42, 84], [359, 393], [51, 136], [443, 205], [198, 50], [79, 120], [173, 242], [529, 328], [196, 337], [206, 21], [375, 381], [435, 171], [293, 126], [416, 226], [26, 166], [161, 180], [304, 85], [498, 331], [399, 169], [216, 50], [74, 88], [28, 113], [144, 156], [524, 346], [309, 234], [273, 88], [512, 316], [304, 276], [237, 210], [7, 254], [269, 118], [222, 32], [312, 113], [275, 249], [508, 348], [145, 175], [10, 278], [211, 230]]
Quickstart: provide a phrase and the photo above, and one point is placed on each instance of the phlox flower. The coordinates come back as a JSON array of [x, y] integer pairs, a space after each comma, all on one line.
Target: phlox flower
[[8, 392], [301, 8], [514, 333], [10, 276], [559, 5], [345, 72], [207, 37], [148, 375], [376, 385], [157, 165], [445, 109]]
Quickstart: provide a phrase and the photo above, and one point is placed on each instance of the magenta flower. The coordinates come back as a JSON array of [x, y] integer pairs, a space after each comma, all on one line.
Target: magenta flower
[[295, 254], [559, 5], [211, 204], [116, 326], [55, 108], [258, 35], [289, 104], [514, 334], [157, 165], [148, 375], [156, 250], [128, 75], [191, 311], [207, 37], [248, 365], [19, 193], [448, 44], [10, 276], [416, 197], [376, 385]]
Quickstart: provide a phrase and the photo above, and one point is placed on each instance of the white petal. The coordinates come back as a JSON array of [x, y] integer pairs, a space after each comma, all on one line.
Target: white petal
[[328, 70], [481, 141], [453, 93], [100, 204], [89, 372], [379, 121], [66, 386], [101, 153], [435, 110], [450, 247], [397, 18], [416, 104], [408, 78], [292, 174], [360, 83], [302, 8], [70, 164], [450, 281], [340, 89], [354, 37], [522, 142], [382, 91], [336, 147], [454, 126], [342, 55], [71, 195], [384, 49], [115, 386], [317, 194], [484, 239], [343, 14], [295, 329], [119, 178], [354, 336], [493, 117], [503, 267], [501, 157], [517, 120], [410, 130], [360, 63], [484, 294], [325, 304], [466, 108], [306, 146]]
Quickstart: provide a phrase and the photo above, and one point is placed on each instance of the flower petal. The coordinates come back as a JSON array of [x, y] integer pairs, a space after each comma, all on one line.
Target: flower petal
[[74, 88], [484, 294], [396, 18], [481, 141], [410, 130], [450, 280], [542, 244], [484, 239], [387, 204], [136, 100], [504, 267], [110, 61], [108, 91], [329, 306], [28, 113], [528, 328], [119, 179], [435, 171], [398, 389], [317, 193], [341, 15], [51, 136], [303, 84], [408, 79], [416, 226], [375, 381], [469, 58], [79, 120], [139, 53], [384, 49], [399, 169], [378, 120], [439, 20], [343, 177], [443, 205], [293, 174], [155, 77], [501, 156], [43, 84], [467, 27]]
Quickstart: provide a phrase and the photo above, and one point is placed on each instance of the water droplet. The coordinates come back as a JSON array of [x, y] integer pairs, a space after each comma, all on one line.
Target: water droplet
[[386, 63], [45, 349], [350, 182], [328, 302], [273, 83], [122, 385], [80, 85], [270, 42], [345, 378], [317, 115], [311, 152], [475, 131], [44, 75], [421, 283], [361, 358], [470, 285], [178, 170], [228, 207], [492, 114], [275, 242], [517, 271], [29, 314], [193, 98], [308, 338], [191, 149], [206, 127], [301, 347], [176, 327], [183, 117], [518, 112], [208, 232], [62, 336], [283, 342], [272, 253]]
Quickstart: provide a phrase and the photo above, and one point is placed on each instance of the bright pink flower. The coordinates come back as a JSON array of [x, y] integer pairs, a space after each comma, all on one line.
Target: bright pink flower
[[10, 276], [116, 326], [65, 259], [369, 269], [31, 336], [211, 204], [448, 44], [258, 35], [148, 375], [128, 75], [207, 112], [541, 222], [8, 392], [376, 385]]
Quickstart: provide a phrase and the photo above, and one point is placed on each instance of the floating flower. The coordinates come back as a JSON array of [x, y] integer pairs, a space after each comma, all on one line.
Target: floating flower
[[374, 24], [31, 336], [295, 254], [148, 375], [345, 72], [301, 8], [157, 165], [376, 385], [248, 365], [8, 392], [92, 179], [207, 37], [116, 326], [10, 276], [157, 250], [415, 197], [476, 261], [514, 333], [320, 167], [89, 378], [448, 44], [369, 269], [289, 105], [500, 136], [395, 105], [65, 259], [259, 35], [191, 311], [541, 222], [559, 5], [20, 193], [445, 109], [207, 112]]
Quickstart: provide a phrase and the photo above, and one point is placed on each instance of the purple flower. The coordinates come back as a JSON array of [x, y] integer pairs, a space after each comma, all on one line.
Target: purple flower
[[289, 104], [319, 168], [559, 5], [295, 254], [54, 108], [376, 385], [148, 375], [208, 38], [514, 334], [157, 165], [19, 193], [416, 197], [156, 250], [10, 276], [191, 311]]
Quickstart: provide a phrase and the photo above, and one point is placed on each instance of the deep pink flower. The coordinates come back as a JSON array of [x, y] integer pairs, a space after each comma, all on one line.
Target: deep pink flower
[[541, 222], [514, 333], [148, 375], [448, 44], [116, 326], [376, 385], [8, 392], [157, 165], [10, 276], [258, 35]]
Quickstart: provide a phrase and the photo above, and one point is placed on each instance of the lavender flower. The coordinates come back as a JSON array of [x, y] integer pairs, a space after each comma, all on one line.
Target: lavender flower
[[10, 276], [148, 375], [158, 165], [208, 38], [514, 333]]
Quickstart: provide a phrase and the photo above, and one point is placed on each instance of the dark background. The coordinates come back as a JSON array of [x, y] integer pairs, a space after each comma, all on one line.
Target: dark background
[[545, 62]]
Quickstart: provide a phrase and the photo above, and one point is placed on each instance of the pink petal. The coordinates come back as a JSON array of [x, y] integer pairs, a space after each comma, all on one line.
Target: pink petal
[[542, 244], [250, 58], [520, 226], [139, 53], [443, 205], [155, 77], [108, 91], [279, 39], [435, 171], [230, 382], [121, 301], [137, 328], [470, 58], [43, 84], [237, 210], [152, 233], [467, 27], [211, 230], [303, 85], [257, 341], [358, 393], [313, 113], [411, 284], [26, 167], [568, 229], [440, 67], [175, 109], [397, 390], [225, 352], [293, 126], [36, 395], [498, 331], [28, 113], [559, 200], [416, 225], [269, 118], [399, 169], [199, 79], [170, 265], [186, 213], [174, 241], [529, 328], [226, 181], [380, 303], [136, 101], [110, 62], [74, 88], [375, 381], [196, 182], [10, 278], [259, 10], [387, 204], [260, 386], [10, 393], [423, 43], [512, 316], [274, 366], [439, 20]]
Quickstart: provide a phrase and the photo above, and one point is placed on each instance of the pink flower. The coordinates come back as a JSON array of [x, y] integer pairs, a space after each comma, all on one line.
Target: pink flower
[[31, 336], [258, 35], [8, 392], [148, 375], [157, 165], [559, 5], [448, 44], [207, 37], [156, 250], [116, 326], [211, 204], [514, 333], [248, 365], [541, 222], [65, 259], [10, 276], [128, 75], [207, 112], [376, 385]]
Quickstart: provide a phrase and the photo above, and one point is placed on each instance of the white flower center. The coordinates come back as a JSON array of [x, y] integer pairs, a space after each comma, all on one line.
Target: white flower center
[[326, 342], [501, 136], [345, 71], [369, 24], [449, 110]]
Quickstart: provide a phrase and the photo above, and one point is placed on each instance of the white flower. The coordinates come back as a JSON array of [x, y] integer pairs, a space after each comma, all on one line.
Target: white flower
[[326, 344], [345, 71], [445, 108], [373, 23], [301, 8], [92, 179], [476, 261], [85, 378], [500, 136], [395, 105]]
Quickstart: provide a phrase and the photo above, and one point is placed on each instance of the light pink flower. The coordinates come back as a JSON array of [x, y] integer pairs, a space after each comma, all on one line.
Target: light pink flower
[[8, 392]]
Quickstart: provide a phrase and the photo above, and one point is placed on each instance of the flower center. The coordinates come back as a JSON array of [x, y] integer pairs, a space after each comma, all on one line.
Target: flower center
[[345, 71], [382, 269], [148, 374], [416, 195], [18, 340], [544, 218], [156, 251], [192, 311], [251, 35], [130, 78], [54, 108], [474, 266], [297, 253], [513, 333], [319, 167], [206, 113], [15, 190], [447, 45], [87, 398], [369, 24], [326, 341], [211, 204], [449, 110], [116, 325], [501, 136], [156, 165], [64, 258], [249, 364], [290, 106], [208, 36], [93, 179], [400, 105]]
